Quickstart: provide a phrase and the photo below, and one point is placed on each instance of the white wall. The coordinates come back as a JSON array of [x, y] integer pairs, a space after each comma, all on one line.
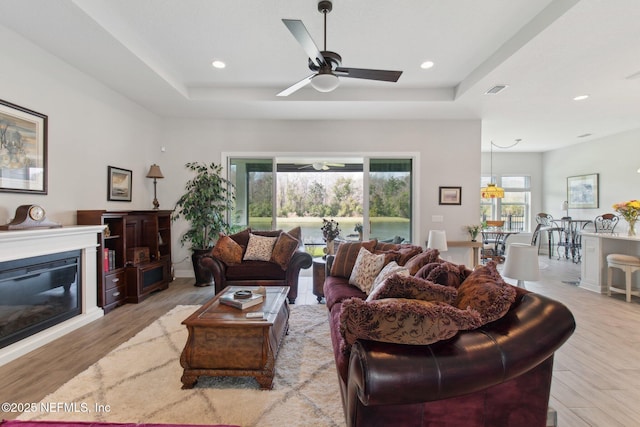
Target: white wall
[[615, 158], [448, 150], [90, 128]]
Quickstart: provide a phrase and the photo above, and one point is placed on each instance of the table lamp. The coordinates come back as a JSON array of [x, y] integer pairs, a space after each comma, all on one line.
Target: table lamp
[[437, 240], [521, 263], [155, 173]]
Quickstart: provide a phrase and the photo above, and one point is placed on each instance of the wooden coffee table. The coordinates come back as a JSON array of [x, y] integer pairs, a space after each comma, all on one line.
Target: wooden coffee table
[[224, 342]]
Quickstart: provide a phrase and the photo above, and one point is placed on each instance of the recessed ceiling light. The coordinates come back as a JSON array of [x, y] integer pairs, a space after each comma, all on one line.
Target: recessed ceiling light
[[580, 97], [218, 64], [426, 65]]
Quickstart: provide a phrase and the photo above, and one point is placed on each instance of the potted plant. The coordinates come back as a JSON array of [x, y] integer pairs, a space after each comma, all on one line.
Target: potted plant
[[358, 229], [473, 231], [207, 200]]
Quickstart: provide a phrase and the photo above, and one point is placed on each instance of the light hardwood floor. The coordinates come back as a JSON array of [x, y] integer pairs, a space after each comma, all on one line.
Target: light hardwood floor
[[596, 374]]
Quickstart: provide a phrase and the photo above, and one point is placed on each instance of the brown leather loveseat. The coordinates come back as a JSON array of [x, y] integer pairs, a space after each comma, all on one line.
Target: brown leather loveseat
[[495, 374], [278, 267]]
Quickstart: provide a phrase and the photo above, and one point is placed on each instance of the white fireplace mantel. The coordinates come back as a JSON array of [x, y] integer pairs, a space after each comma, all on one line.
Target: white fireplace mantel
[[20, 244]]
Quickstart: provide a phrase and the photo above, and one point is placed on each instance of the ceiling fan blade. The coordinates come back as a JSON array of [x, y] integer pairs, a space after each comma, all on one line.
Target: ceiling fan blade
[[363, 73], [301, 34], [294, 87]]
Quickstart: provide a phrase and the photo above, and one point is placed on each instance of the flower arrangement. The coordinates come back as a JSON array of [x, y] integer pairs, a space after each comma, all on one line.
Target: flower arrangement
[[330, 229], [629, 210], [473, 230]]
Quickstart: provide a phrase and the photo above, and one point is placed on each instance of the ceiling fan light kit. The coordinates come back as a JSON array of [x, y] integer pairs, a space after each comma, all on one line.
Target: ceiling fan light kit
[[325, 82], [326, 64]]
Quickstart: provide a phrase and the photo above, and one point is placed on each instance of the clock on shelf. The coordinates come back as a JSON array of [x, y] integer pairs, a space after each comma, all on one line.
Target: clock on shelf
[[29, 216]]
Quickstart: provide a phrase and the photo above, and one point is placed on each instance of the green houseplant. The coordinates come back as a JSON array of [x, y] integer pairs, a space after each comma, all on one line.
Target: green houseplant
[[206, 203]]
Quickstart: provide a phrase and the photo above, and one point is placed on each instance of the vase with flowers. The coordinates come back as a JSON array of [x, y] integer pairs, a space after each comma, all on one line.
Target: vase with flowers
[[330, 231], [629, 210], [473, 231]]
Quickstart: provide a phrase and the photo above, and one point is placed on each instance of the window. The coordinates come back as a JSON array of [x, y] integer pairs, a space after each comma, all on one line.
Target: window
[[287, 192], [515, 208]]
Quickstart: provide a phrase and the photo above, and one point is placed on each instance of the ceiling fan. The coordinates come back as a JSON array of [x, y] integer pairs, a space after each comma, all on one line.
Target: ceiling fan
[[326, 64], [322, 166]]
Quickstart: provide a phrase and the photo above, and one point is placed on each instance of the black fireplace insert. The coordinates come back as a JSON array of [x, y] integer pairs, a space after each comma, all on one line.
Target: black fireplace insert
[[37, 293]]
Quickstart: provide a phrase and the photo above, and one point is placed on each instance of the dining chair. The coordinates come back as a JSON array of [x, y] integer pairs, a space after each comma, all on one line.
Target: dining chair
[[605, 223], [546, 224]]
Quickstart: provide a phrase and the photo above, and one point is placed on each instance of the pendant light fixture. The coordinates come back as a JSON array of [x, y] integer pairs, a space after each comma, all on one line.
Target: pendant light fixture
[[491, 191]]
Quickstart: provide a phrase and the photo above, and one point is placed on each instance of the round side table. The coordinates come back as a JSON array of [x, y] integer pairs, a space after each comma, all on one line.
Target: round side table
[[319, 265]]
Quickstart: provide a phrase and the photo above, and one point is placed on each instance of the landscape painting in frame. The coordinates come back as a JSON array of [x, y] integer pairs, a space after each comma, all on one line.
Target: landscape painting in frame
[[119, 184], [450, 195], [582, 191], [23, 150]]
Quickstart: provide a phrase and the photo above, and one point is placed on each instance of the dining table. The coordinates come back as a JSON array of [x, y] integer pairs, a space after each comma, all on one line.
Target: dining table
[[494, 241], [570, 241]]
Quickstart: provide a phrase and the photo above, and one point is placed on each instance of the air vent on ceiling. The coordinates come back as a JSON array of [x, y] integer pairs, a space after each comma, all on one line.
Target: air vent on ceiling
[[496, 89]]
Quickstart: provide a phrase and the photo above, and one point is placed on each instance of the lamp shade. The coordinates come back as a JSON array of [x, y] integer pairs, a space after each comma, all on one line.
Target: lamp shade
[[325, 82], [492, 192], [565, 205], [521, 263], [154, 172], [437, 240]]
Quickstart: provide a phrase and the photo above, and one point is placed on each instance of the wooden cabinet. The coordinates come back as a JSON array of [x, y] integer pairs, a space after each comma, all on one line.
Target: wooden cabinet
[[124, 273]]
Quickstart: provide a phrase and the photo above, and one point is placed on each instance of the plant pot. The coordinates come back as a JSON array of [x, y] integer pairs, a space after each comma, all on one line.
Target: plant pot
[[203, 276]]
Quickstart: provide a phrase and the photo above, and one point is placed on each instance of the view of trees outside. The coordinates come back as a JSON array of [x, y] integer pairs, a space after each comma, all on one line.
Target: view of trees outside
[[304, 198]]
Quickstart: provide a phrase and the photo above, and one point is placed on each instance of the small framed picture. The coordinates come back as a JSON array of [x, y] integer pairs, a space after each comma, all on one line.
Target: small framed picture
[[119, 184], [450, 196]]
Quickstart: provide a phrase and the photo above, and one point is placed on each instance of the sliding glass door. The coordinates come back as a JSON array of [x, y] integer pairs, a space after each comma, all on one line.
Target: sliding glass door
[[390, 199], [370, 194], [255, 185]]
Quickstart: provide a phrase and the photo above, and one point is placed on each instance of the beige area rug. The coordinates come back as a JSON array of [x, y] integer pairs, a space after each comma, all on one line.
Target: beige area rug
[[140, 381]]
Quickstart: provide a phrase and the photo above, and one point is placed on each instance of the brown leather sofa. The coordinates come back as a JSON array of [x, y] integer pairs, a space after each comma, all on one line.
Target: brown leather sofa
[[256, 273], [496, 375]]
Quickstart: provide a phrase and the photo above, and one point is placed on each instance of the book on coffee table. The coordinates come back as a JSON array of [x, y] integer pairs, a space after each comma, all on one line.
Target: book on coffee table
[[241, 303]]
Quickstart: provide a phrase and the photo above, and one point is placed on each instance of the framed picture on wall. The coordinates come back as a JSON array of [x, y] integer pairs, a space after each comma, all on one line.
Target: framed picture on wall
[[119, 184], [450, 196], [582, 191], [23, 150]]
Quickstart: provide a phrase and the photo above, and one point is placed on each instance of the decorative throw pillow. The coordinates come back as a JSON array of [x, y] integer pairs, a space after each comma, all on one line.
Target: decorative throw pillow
[[407, 252], [296, 233], [386, 272], [487, 292], [402, 321], [424, 258], [346, 256], [386, 246], [365, 270], [227, 250], [259, 248], [410, 287], [241, 237], [444, 273], [283, 250]]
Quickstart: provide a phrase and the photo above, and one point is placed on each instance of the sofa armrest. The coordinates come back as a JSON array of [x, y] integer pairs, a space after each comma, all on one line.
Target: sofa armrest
[[391, 374], [217, 268], [298, 261]]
